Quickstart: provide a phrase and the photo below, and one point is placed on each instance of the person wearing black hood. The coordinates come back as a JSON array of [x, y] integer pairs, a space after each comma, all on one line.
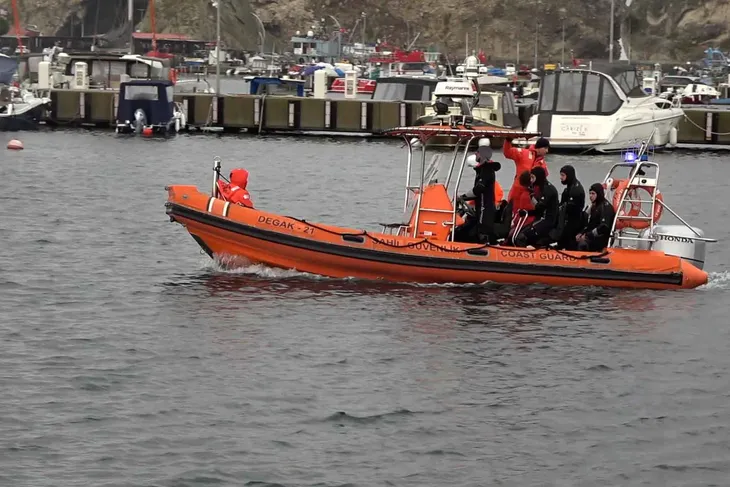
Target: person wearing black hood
[[484, 191], [570, 215], [545, 199], [596, 234]]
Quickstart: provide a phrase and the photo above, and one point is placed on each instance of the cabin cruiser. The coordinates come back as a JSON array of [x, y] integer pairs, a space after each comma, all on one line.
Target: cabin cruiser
[[606, 110], [20, 109]]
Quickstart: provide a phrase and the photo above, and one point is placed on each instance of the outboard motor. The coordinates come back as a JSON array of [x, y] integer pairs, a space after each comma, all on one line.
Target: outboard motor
[[140, 121], [680, 241]]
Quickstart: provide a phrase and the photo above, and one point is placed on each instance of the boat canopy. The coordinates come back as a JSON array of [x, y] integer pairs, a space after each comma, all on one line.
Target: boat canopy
[[403, 88], [264, 85], [155, 97], [8, 67], [586, 92]]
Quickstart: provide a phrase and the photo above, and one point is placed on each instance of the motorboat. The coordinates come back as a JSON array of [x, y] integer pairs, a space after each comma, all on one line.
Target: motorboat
[[494, 108], [148, 107], [20, 109], [422, 247], [606, 110], [698, 94]]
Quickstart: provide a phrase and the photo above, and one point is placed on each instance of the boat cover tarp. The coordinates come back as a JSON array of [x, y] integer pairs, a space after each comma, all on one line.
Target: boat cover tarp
[[8, 67], [158, 110]]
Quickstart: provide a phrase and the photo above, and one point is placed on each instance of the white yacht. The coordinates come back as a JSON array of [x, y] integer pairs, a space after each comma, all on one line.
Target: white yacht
[[606, 110]]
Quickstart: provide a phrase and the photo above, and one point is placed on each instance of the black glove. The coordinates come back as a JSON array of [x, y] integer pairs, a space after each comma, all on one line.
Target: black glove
[[522, 213]]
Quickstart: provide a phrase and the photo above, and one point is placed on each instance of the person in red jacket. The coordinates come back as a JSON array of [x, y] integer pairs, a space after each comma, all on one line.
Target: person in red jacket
[[235, 191], [526, 159], [522, 207]]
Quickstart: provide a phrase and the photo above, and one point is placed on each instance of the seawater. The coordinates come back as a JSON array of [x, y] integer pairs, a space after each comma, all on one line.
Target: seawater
[[130, 359]]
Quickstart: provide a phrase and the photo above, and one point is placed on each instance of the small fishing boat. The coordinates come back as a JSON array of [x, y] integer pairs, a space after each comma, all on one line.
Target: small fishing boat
[[422, 248], [19, 109], [147, 107]]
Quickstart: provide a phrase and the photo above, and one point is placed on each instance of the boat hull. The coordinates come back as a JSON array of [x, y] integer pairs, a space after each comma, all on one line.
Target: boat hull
[[26, 118], [250, 236], [609, 133]]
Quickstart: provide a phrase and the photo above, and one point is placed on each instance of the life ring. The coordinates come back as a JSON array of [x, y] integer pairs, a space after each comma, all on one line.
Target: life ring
[[173, 75], [619, 186]]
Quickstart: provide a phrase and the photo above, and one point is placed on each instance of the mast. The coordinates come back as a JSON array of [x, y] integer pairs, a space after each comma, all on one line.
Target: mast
[[16, 20], [131, 26], [218, 48], [610, 42], [153, 26]]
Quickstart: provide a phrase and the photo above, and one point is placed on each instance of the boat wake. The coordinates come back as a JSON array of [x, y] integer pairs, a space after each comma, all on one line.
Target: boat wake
[[259, 270], [718, 280]]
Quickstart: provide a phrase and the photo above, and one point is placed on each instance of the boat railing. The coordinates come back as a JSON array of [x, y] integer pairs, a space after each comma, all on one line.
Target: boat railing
[[637, 172], [416, 139]]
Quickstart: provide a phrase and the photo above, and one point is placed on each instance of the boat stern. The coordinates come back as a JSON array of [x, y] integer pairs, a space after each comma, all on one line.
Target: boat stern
[[692, 276]]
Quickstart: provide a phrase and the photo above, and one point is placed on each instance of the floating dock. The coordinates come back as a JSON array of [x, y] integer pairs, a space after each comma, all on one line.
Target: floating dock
[[706, 125]]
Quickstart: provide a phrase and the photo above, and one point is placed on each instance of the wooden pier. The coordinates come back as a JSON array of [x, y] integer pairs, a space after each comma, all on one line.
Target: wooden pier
[[251, 113]]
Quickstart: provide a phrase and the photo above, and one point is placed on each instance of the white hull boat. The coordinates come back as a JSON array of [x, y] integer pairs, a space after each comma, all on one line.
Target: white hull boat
[[581, 109]]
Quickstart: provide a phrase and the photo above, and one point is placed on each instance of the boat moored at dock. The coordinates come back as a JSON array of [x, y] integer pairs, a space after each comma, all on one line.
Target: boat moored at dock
[[148, 107], [606, 110]]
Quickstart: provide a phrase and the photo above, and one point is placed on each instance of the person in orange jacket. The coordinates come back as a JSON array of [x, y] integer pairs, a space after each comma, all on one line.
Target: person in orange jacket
[[526, 159], [235, 191]]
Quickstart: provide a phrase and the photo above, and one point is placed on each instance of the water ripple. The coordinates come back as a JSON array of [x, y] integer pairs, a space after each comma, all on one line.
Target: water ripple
[[130, 359]]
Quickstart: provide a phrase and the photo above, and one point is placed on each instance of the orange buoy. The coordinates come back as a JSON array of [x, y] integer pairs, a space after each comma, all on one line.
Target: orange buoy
[[147, 131], [15, 144]]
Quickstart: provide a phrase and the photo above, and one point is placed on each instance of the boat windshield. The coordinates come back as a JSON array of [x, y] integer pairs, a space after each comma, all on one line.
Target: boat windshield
[[630, 84], [403, 89], [578, 92]]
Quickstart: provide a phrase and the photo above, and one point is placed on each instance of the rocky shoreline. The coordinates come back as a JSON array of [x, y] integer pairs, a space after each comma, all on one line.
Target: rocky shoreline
[[650, 29]]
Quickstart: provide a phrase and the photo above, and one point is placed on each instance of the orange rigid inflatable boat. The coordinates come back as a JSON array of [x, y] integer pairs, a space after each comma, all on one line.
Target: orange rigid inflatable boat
[[423, 248]]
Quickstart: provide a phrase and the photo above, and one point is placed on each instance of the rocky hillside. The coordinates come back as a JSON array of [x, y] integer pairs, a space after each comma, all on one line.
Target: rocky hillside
[[656, 29]]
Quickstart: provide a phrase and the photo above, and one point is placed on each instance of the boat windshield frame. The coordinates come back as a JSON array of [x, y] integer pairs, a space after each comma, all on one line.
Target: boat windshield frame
[[418, 138]]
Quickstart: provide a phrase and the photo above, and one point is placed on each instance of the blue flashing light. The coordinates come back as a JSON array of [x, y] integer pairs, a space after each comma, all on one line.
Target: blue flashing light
[[629, 157], [644, 157]]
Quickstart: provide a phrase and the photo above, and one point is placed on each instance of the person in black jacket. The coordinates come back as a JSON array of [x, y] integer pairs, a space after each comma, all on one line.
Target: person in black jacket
[[483, 193], [570, 215], [596, 234], [545, 199]]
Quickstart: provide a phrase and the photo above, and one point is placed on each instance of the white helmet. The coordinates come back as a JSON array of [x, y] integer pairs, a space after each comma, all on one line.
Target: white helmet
[[484, 141], [415, 143], [471, 160]]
